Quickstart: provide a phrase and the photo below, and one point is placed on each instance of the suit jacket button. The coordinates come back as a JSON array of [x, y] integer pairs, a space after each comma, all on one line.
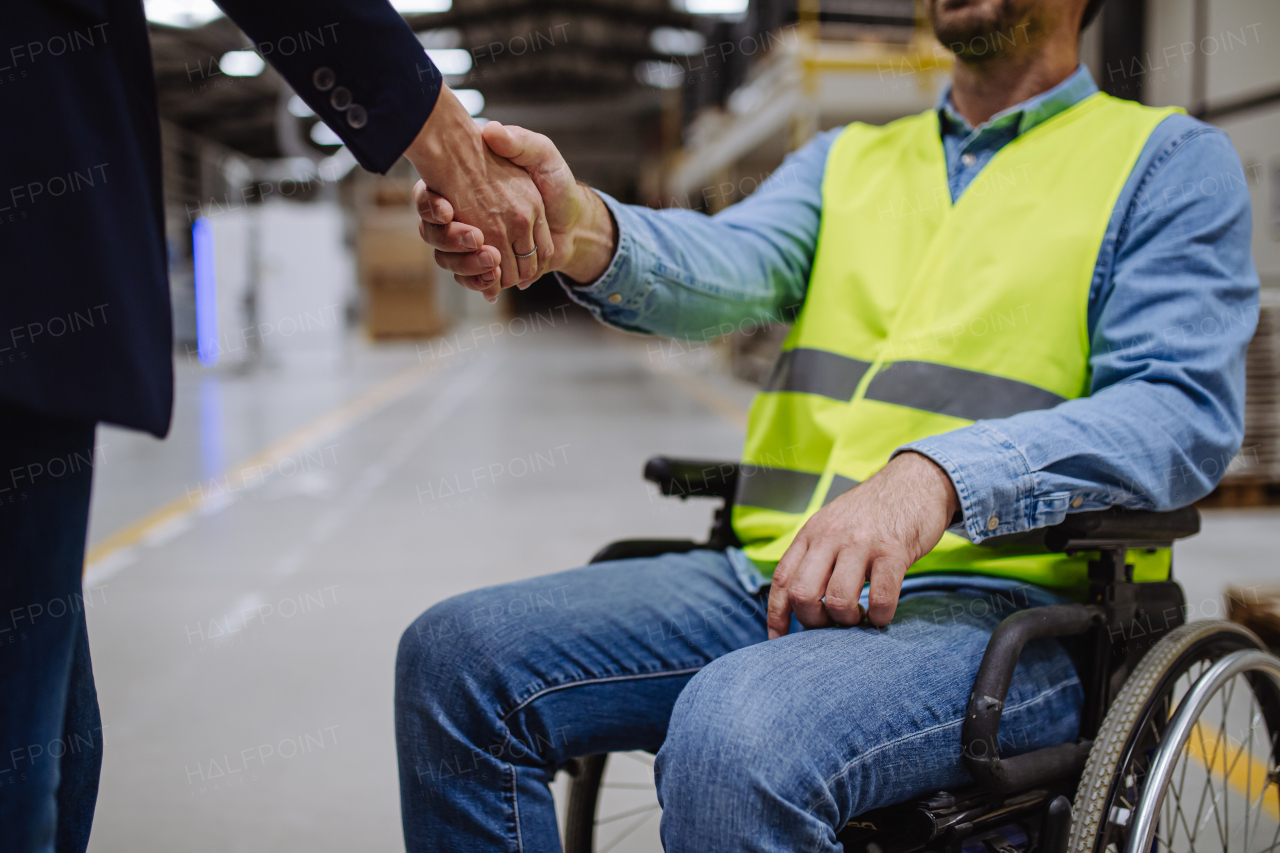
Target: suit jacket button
[[357, 117], [340, 99], [323, 78]]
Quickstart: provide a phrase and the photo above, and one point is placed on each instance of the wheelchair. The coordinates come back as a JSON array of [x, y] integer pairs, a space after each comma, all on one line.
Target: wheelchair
[[1179, 738]]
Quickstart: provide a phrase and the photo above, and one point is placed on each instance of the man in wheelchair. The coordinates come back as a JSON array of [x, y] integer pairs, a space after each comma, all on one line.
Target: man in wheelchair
[[1029, 303]]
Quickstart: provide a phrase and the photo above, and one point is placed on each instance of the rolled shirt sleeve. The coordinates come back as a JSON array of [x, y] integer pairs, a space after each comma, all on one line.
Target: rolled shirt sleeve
[[1173, 308], [684, 274]]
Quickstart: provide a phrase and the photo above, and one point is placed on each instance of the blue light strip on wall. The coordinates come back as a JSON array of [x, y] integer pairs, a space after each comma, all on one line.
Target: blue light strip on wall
[[206, 292]]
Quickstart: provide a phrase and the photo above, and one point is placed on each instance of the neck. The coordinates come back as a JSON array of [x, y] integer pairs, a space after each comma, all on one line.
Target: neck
[[981, 89]]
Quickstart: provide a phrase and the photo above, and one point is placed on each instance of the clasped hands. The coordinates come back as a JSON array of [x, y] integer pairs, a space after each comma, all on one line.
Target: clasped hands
[[513, 194], [500, 206]]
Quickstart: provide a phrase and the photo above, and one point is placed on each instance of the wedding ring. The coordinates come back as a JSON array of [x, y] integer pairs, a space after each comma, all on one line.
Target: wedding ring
[[527, 254]]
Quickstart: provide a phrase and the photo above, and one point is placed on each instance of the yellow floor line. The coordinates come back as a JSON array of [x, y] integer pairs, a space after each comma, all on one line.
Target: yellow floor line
[[1247, 774], [323, 427]]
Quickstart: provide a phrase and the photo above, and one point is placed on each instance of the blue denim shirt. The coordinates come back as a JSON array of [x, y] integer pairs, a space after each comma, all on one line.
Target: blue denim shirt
[[1172, 306]]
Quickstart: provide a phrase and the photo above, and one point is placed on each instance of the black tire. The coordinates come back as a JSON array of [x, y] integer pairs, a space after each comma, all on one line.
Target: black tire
[[1116, 769], [584, 794]]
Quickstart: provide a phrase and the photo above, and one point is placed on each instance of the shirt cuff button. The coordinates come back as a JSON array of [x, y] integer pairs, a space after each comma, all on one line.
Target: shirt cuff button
[[357, 117], [1077, 503], [341, 98], [323, 78], [993, 523], [615, 298]]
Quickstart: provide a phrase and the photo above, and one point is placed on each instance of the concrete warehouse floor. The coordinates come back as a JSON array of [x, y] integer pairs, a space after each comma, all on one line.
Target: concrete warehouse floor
[[316, 498]]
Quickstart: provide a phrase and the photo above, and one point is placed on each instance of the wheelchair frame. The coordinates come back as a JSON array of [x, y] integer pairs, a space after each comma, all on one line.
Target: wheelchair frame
[[1107, 637]]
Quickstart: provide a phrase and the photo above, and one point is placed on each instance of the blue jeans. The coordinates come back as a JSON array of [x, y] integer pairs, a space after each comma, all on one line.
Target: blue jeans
[[50, 731], [763, 746]]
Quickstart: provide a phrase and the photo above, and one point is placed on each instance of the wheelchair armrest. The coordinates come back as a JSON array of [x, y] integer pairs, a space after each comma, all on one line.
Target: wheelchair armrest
[[979, 741], [693, 478], [1118, 527], [1114, 527]]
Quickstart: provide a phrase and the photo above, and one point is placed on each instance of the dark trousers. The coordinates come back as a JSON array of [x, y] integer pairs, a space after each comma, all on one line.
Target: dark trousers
[[50, 731]]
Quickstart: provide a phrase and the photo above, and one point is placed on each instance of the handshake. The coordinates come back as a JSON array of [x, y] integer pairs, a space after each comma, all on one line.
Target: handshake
[[500, 206]]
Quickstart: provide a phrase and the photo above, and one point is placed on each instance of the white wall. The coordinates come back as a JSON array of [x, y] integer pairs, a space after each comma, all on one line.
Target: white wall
[[306, 279]]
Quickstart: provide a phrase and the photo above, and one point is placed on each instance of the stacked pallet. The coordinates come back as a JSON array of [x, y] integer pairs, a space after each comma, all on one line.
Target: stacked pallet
[[1258, 609], [397, 273], [1253, 477]]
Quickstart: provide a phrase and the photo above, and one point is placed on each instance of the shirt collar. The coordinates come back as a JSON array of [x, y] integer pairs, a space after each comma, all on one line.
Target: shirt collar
[[1030, 112]]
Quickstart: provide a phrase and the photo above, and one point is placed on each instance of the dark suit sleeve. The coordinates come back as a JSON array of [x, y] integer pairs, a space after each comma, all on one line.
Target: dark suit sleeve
[[371, 53]]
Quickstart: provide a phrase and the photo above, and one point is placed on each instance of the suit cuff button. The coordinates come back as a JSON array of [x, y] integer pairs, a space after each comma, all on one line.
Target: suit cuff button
[[323, 78], [357, 117], [340, 99]]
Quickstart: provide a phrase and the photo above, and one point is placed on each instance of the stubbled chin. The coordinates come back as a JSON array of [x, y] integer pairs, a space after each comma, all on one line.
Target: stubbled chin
[[964, 26]]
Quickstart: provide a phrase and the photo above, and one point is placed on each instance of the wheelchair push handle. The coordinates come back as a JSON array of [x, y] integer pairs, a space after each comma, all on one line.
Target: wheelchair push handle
[[980, 730], [697, 478], [693, 478]]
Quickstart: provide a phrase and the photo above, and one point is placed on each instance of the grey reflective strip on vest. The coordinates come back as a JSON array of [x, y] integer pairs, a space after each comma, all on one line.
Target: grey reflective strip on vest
[[956, 392], [815, 371], [839, 485], [775, 488]]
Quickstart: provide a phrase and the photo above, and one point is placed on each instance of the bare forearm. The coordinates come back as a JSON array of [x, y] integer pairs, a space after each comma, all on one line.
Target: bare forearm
[[594, 240], [448, 132]]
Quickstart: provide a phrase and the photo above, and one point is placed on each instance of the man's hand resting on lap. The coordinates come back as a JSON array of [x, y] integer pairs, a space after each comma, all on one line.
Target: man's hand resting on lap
[[581, 240], [873, 532]]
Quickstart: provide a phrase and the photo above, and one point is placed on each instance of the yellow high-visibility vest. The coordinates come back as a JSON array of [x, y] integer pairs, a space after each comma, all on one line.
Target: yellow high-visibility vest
[[923, 316]]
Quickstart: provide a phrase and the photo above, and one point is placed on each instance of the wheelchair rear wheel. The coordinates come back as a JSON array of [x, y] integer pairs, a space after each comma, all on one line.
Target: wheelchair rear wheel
[[1222, 796], [613, 806]]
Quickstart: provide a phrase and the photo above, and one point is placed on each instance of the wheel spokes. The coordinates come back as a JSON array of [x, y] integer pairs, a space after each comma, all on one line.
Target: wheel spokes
[[1219, 763]]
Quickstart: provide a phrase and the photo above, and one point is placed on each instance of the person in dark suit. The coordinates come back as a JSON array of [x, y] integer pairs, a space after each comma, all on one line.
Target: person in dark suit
[[85, 332]]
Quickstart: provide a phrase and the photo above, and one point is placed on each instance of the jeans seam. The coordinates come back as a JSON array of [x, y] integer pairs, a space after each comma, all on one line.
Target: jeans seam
[[515, 806], [599, 680], [830, 780]]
